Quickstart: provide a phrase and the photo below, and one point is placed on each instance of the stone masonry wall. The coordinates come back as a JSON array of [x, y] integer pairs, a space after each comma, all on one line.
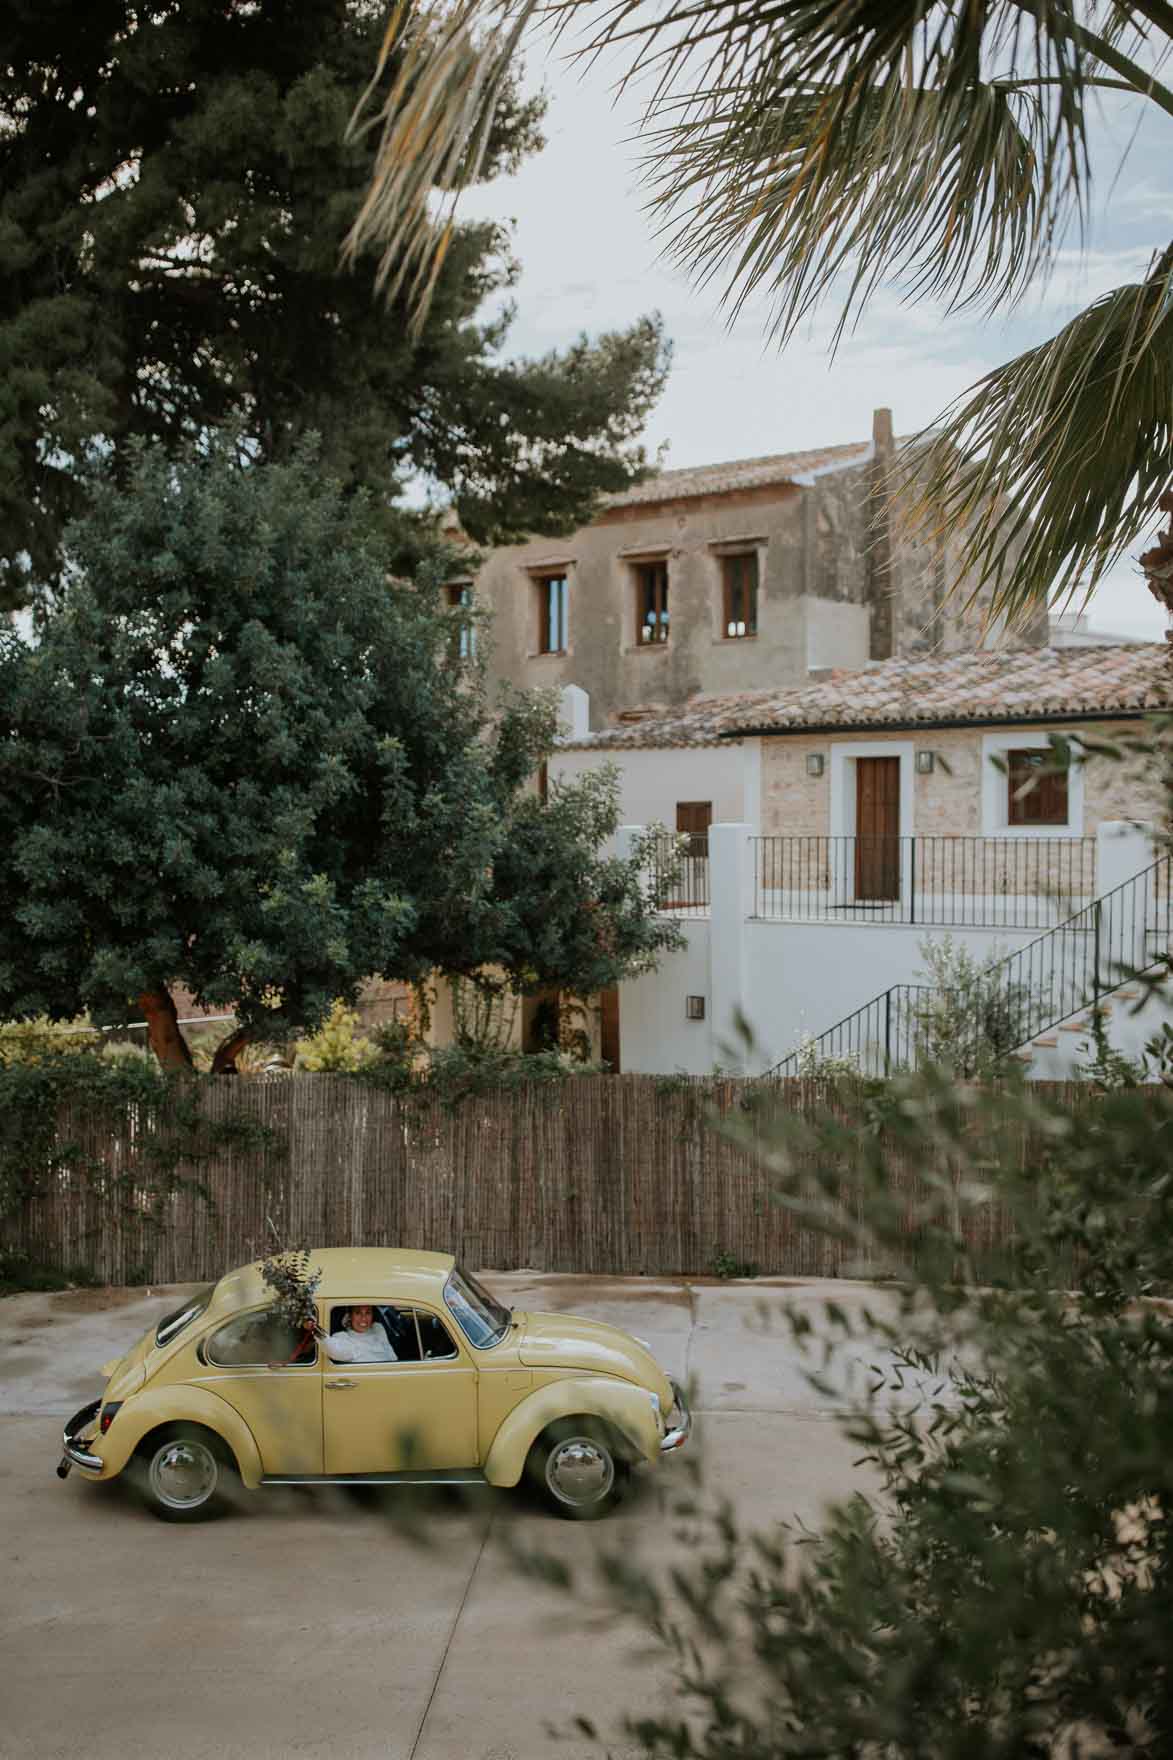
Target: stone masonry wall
[[947, 802]]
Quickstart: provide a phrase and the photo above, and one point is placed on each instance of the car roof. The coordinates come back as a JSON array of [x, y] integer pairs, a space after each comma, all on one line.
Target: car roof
[[350, 1273]]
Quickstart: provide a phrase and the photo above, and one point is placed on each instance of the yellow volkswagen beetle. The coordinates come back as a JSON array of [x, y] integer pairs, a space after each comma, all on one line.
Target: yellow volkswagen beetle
[[417, 1375]]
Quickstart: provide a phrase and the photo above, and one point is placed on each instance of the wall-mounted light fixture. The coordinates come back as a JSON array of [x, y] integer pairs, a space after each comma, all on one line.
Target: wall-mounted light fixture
[[925, 762], [694, 1008], [814, 763]]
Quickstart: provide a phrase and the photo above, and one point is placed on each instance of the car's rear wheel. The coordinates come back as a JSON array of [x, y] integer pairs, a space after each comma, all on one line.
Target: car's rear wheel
[[577, 1469], [181, 1472]]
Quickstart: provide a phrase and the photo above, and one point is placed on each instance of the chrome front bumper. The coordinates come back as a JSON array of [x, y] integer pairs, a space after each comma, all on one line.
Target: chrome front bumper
[[680, 1419], [76, 1453]]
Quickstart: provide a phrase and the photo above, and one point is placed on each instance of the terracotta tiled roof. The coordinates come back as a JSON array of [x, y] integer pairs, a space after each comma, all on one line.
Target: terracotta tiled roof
[[743, 473], [1021, 685]]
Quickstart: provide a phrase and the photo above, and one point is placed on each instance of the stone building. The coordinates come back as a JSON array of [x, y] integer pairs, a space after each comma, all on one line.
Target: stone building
[[727, 578], [836, 828], [807, 762]]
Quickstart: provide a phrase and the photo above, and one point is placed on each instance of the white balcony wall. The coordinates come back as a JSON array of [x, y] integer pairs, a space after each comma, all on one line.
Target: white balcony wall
[[651, 781], [655, 1036], [793, 979]]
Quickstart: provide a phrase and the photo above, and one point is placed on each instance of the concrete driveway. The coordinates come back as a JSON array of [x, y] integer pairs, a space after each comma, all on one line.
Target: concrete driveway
[[311, 1623]]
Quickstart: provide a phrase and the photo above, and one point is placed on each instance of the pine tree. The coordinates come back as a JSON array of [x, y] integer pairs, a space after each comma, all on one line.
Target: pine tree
[[175, 185]]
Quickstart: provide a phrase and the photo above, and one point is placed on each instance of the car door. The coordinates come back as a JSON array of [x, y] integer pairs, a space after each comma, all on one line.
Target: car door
[[249, 1361], [418, 1413]]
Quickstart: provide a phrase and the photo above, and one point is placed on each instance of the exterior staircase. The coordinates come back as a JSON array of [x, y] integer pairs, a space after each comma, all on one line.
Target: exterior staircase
[[1040, 1003]]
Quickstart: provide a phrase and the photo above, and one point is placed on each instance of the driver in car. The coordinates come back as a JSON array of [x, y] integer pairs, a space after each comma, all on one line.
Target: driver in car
[[363, 1339]]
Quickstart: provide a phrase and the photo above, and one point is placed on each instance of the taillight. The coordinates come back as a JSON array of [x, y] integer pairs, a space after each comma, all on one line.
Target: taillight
[[109, 1413]]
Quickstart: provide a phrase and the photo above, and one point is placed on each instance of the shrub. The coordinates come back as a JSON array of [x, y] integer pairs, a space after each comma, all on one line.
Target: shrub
[[337, 1046]]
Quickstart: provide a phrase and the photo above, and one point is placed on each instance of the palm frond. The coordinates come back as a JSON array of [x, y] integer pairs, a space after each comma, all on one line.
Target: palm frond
[[450, 71], [1050, 468], [946, 194], [762, 109]]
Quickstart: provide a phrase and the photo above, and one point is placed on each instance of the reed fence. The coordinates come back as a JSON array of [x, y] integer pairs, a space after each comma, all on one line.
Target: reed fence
[[607, 1175]]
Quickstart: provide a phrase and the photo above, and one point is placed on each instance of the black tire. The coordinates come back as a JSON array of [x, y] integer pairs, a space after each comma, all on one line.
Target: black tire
[[182, 1472], [578, 1469]]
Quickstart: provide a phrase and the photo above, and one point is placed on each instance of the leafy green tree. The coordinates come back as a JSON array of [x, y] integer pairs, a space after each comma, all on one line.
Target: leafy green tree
[[1008, 1591], [175, 185], [241, 757], [816, 151]]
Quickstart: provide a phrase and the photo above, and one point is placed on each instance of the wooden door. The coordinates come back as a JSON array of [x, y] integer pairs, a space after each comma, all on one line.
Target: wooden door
[[877, 828], [609, 1029], [693, 819]]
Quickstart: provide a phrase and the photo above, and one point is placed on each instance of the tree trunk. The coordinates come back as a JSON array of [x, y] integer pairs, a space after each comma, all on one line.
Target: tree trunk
[[166, 1040], [227, 1052]]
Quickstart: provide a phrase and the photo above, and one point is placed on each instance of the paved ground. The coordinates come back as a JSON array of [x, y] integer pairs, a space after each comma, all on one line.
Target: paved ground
[[311, 1624]]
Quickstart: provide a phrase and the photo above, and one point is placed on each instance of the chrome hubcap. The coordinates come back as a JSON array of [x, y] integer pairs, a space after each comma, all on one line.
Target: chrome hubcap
[[580, 1470], [183, 1474]]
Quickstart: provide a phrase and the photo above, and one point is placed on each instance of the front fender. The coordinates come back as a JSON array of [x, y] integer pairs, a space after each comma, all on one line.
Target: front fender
[[180, 1404], [624, 1406]]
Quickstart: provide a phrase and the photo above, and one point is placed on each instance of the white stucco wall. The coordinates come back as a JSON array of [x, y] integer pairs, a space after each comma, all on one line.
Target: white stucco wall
[[653, 780], [804, 977], [794, 979], [654, 1035]]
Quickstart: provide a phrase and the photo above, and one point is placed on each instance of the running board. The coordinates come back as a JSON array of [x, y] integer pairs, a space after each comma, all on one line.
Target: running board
[[443, 1476]]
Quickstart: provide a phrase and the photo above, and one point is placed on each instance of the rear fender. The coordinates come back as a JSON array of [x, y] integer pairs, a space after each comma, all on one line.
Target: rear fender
[[626, 1408], [178, 1405]]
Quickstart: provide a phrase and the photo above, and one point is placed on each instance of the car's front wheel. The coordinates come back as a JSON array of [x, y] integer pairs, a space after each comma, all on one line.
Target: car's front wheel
[[181, 1471], [577, 1469]]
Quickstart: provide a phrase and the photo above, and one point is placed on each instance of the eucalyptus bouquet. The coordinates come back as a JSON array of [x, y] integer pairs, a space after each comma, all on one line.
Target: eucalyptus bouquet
[[294, 1282]]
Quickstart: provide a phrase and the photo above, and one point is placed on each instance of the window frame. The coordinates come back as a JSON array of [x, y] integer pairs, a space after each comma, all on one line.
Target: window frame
[[545, 582], [1053, 784], [731, 562], [172, 1325], [652, 573], [302, 1361], [460, 596], [404, 1308], [995, 784], [470, 1281]]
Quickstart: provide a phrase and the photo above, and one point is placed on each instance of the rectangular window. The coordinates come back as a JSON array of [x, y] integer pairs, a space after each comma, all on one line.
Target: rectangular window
[[552, 606], [464, 644], [740, 595], [651, 603], [1045, 799]]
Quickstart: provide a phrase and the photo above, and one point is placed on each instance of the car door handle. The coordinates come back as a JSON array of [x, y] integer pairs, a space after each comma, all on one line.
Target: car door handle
[[341, 1384]]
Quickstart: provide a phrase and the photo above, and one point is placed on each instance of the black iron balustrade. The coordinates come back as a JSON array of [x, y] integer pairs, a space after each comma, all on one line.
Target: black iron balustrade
[[680, 876], [939, 882], [1058, 975]]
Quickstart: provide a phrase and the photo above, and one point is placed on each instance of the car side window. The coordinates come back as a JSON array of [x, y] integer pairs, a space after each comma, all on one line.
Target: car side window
[[435, 1339], [388, 1337], [414, 1335], [261, 1339]]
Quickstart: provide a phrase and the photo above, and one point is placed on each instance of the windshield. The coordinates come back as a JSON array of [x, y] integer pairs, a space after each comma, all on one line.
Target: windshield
[[482, 1320], [171, 1325]]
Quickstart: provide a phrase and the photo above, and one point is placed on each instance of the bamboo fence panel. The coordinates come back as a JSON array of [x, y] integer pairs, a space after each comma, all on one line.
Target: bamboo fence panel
[[603, 1174]]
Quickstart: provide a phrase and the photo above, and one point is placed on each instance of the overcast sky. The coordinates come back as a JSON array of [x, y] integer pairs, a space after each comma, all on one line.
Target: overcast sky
[[589, 262]]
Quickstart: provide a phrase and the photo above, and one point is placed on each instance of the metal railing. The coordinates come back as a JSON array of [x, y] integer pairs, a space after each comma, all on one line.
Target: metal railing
[[877, 1040], [1070, 969], [1094, 952], [680, 878], [940, 882]]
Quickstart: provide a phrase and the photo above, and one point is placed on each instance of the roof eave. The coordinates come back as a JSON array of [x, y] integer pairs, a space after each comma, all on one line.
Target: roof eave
[[1006, 719]]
